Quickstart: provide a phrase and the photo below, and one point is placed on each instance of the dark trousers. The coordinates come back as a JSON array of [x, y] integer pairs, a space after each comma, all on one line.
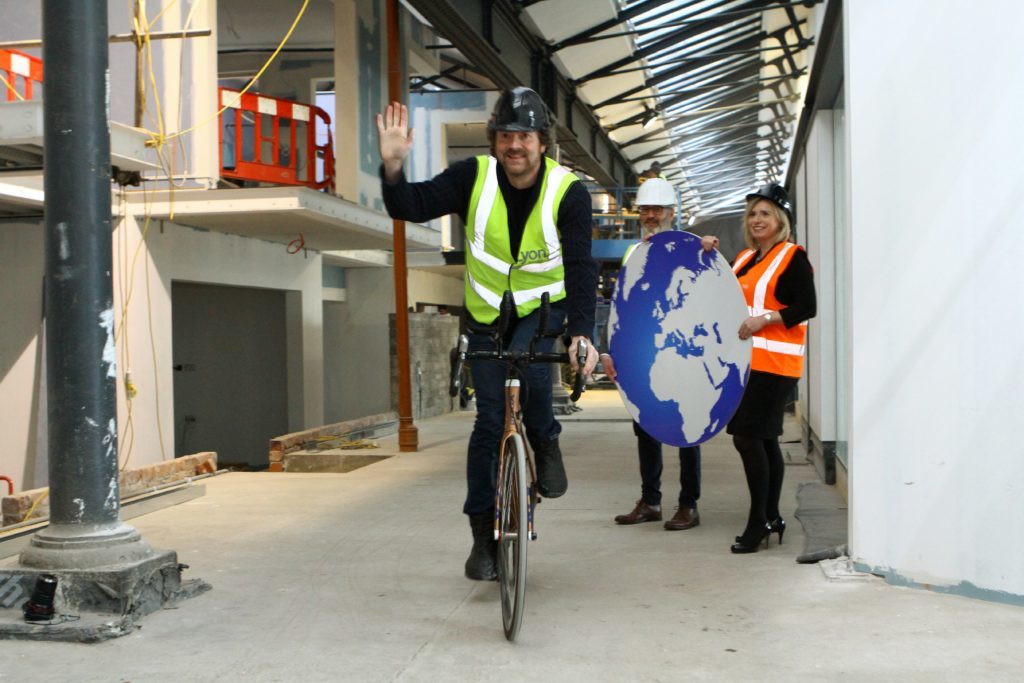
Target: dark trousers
[[651, 465], [489, 385]]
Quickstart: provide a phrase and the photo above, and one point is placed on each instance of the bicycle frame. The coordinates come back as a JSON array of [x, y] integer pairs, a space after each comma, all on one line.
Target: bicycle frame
[[514, 426], [510, 513]]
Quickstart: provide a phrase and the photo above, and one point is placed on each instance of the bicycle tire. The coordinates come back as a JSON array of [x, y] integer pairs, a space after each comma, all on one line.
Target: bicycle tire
[[513, 535]]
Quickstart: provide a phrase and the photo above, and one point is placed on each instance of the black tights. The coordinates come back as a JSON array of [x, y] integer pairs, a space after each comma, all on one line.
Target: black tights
[[764, 467]]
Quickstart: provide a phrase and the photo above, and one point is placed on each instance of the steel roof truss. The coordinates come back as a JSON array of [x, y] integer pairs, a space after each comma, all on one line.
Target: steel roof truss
[[669, 40]]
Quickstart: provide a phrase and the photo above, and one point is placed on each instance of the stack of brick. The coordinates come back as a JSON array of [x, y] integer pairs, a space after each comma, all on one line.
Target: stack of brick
[[16, 507], [307, 439]]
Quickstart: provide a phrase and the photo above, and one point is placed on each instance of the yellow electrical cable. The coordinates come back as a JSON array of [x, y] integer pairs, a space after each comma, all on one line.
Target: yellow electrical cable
[[11, 88], [35, 504], [159, 139], [156, 373], [126, 440], [127, 281], [152, 80], [151, 24], [181, 148]]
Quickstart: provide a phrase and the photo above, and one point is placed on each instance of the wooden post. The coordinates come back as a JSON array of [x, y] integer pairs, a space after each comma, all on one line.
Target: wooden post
[[408, 435], [140, 63]]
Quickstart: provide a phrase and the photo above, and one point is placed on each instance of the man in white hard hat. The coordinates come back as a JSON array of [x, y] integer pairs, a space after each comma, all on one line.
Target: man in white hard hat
[[656, 201]]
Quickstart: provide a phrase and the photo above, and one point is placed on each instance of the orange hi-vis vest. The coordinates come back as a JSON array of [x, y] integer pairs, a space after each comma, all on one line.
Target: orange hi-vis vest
[[777, 349]]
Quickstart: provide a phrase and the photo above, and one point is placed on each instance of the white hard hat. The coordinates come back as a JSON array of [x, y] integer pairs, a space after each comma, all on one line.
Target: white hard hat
[[656, 192]]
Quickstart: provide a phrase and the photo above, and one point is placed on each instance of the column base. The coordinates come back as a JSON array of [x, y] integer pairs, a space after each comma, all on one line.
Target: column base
[[408, 436], [84, 546], [94, 604]]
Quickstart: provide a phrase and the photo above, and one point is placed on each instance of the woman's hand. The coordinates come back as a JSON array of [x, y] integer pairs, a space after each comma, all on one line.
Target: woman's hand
[[395, 138], [709, 242], [609, 366], [752, 326]]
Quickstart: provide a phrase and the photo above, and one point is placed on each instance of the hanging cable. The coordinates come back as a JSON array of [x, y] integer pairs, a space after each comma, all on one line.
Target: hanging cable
[[11, 87]]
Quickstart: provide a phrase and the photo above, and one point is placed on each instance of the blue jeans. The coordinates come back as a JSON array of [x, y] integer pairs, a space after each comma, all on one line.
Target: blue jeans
[[489, 387], [651, 464]]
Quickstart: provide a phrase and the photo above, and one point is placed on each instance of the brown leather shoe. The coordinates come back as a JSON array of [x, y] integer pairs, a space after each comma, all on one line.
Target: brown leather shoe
[[641, 513], [685, 518]]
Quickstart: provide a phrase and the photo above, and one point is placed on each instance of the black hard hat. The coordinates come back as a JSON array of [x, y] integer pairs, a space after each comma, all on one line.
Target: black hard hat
[[519, 110], [778, 196]]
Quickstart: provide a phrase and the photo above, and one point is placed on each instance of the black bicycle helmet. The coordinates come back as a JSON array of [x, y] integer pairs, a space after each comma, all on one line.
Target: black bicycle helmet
[[778, 196], [519, 110]]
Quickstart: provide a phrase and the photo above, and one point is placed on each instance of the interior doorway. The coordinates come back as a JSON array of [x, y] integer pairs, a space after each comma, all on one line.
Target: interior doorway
[[230, 371]]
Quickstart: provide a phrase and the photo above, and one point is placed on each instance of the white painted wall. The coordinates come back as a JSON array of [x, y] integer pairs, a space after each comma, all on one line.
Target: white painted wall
[[363, 346], [21, 355], [181, 253], [935, 214], [143, 278], [816, 230], [435, 288]]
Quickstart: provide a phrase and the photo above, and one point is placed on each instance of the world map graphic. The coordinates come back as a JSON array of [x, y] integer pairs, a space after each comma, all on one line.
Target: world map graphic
[[673, 335]]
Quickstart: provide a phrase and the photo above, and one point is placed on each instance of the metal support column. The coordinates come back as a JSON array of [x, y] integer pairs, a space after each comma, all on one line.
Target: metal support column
[[85, 529]]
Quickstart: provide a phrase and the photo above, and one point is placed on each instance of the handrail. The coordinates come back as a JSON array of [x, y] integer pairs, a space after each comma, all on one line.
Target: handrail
[[16, 68], [260, 140]]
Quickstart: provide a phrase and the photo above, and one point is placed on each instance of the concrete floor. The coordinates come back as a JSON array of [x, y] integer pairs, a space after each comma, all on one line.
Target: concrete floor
[[358, 577]]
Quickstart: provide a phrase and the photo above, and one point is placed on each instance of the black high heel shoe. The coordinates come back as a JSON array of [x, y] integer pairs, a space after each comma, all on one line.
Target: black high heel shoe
[[743, 545], [777, 526]]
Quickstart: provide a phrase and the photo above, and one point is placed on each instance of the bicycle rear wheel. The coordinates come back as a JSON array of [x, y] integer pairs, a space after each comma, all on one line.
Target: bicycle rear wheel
[[513, 534]]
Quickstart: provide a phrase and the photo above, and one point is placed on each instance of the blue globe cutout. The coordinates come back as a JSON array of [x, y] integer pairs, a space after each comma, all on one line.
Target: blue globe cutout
[[673, 335]]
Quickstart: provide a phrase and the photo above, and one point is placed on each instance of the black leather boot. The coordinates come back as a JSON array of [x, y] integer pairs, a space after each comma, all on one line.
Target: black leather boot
[[551, 479], [482, 564]]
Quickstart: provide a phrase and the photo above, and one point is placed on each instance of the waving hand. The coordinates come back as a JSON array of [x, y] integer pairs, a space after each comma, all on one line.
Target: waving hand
[[395, 138]]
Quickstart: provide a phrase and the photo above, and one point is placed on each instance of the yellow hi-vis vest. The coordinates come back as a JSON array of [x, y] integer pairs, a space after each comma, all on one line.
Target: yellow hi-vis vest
[[490, 266]]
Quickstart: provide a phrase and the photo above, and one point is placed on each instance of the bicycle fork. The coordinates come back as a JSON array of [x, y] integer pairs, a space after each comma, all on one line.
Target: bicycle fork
[[514, 425]]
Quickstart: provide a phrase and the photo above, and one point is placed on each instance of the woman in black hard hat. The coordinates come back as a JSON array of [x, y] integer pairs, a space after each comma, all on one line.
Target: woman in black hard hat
[[777, 282]]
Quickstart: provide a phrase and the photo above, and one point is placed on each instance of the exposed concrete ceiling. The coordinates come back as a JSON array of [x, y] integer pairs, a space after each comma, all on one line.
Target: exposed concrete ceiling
[[244, 24]]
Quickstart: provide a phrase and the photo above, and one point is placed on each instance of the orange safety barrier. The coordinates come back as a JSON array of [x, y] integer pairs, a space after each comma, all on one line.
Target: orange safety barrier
[[19, 69], [273, 140]]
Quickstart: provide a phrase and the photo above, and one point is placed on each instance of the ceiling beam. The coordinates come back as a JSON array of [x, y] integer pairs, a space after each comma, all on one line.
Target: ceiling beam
[[668, 41], [524, 60]]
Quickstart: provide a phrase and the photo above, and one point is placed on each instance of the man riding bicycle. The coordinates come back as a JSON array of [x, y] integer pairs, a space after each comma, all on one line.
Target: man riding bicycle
[[527, 230]]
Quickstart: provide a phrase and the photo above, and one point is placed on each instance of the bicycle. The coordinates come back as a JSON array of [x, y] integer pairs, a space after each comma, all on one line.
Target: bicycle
[[516, 488]]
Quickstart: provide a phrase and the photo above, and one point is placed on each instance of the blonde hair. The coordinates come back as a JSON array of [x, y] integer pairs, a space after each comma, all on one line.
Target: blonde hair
[[779, 214]]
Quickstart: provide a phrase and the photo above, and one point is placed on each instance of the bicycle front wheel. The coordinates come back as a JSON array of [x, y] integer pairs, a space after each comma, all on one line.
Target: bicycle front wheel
[[513, 534]]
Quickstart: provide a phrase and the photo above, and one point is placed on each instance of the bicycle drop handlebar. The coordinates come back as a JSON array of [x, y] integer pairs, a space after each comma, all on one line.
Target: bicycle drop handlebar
[[461, 353]]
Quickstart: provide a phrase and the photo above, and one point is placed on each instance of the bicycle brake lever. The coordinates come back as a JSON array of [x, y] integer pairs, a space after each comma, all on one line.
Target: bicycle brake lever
[[505, 312], [581, 362], [545, 314], [458, 359], [542, 320]]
